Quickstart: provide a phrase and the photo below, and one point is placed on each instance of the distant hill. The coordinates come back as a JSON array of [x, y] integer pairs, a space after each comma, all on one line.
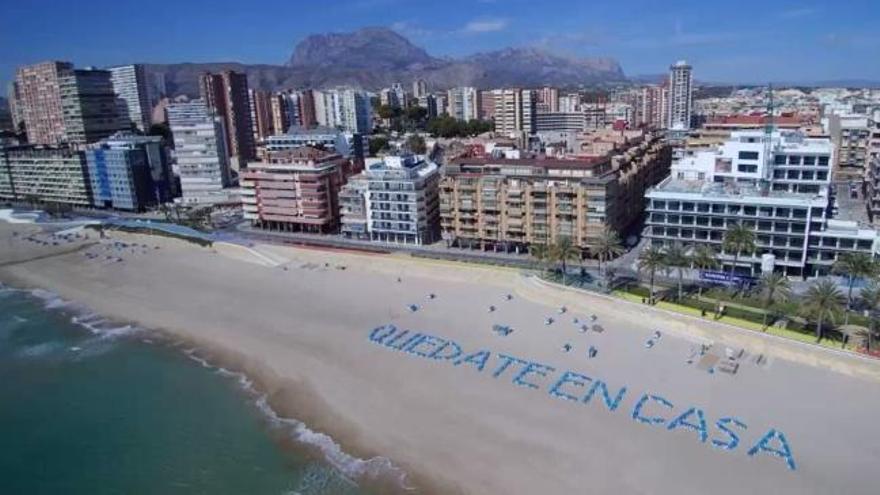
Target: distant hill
[[373, 58]]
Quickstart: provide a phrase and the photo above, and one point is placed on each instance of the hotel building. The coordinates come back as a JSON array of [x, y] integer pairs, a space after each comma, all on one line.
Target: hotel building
[[226, 96], [394, 200], [90, 107], [295, 190], [778, 187], [45, 174], [129, 172], [132, 87]]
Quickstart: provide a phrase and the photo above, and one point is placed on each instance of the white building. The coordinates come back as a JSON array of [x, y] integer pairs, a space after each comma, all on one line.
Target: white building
[[131, 85], [346, 144], [463, 103], [201, 158], [681, 89], [780, 189], [345, 108], [400, 201], [515, 111]]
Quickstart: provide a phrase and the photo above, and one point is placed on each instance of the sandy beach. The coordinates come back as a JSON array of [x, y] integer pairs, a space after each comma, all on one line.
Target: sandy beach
[[303, 323]]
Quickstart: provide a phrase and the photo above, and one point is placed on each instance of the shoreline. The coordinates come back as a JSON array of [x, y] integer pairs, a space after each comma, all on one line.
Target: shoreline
[[299, 327], [278, 400]]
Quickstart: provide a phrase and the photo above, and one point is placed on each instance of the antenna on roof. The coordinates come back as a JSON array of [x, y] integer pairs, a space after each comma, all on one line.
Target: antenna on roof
[[769, 127]]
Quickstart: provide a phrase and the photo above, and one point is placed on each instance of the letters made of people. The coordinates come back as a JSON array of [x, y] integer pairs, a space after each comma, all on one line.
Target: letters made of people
[[647, 408]]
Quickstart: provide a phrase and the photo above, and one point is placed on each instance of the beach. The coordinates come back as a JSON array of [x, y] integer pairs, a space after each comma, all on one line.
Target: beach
[[302, 324]]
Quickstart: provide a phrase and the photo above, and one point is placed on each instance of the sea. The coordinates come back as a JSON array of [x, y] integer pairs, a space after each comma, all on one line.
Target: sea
[[89, 406]]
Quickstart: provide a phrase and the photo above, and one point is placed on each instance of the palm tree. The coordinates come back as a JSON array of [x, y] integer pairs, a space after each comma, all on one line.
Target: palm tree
[[870, 296], [651, 260], [563, 251], [854, 266], [607, 245], [677, 257], [823, 302], [704, 258], [541, 254], [774, 288], [739, 239]]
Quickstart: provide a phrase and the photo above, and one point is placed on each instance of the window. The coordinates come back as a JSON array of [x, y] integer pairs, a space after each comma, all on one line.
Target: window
[[823, 161], [779, 159], [747, 169], [821, 175], [794, 160], [748, 155], [809, 160]]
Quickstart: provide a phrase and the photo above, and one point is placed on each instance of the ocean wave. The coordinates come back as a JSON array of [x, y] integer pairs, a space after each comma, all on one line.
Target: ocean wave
[[349, 466], [40, 350]]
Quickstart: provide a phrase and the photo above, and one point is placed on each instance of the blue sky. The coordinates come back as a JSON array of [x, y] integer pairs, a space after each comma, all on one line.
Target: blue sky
[[731, 41]]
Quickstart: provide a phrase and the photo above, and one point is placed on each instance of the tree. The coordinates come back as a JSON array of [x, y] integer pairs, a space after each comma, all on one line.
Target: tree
[[704, 258], [774, 288], [541, 254], [416, 144], [738, 239], [607, 246], [676, 256], [823, 302], [651, 260], [563, 251], [854, 266], [870, 296], [377, 144]]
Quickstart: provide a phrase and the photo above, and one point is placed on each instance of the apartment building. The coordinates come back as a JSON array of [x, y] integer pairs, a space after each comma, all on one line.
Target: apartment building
[[515, 111], [295, 190], [129, 172], [509, 204], [90, 106], [463, 103], [349, 145], [681, 96], [200, 153], [778, 186], [394, 200], [131, 85], [46, 174], [37, 93], [345, 108], [851, 135], [226, 96]]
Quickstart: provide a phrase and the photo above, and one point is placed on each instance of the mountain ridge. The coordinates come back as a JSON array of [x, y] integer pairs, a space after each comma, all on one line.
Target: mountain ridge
[[375, 57]]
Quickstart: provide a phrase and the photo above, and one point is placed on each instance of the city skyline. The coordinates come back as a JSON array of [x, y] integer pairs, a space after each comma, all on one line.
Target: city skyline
[[789, 42]]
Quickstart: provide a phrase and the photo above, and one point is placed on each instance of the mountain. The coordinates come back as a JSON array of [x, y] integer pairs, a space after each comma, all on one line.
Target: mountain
[[375, 57]]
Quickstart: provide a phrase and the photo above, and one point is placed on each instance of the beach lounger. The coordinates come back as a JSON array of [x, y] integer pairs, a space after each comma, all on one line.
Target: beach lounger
[[598, 328]]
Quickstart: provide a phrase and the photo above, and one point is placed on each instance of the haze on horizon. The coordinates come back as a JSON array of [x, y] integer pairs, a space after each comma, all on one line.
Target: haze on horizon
[[746, 42]]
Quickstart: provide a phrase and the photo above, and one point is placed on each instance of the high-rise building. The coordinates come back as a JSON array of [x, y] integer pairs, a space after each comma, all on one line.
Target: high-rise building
[[650, 107], [570, 103], [463, 103], [199, 152], [487, 105], [420, 88], [514, 110], [680, 96], [295, 190], [226, 95], [397, 198], [850, 135], [129, 172], [429, 103], [90, 107], [284, 108], [44, 173], [39, 101], [344, 108], [261, 114], [548, 100], [307, 115], [132, 86]]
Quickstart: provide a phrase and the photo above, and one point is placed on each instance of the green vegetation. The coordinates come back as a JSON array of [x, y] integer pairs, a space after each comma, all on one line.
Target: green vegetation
[[651, 260], [606, 246], [448, 127], [416, 144]]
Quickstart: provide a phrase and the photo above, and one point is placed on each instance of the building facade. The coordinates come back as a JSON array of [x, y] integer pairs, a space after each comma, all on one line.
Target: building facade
[[38, 101], [515, 111], [44, 174], [510, 204], [681, 89], [226, 95], [295, 190], [345, 108], [131, 86], [199, 152], [463, 103], [779, 186], [398, 199], [90, 106], [129, 172]]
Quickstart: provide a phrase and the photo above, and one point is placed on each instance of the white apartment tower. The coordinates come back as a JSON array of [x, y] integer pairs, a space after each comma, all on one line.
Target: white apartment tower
[[463, 103], [131, 85], [200, 153], [681, 89]]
